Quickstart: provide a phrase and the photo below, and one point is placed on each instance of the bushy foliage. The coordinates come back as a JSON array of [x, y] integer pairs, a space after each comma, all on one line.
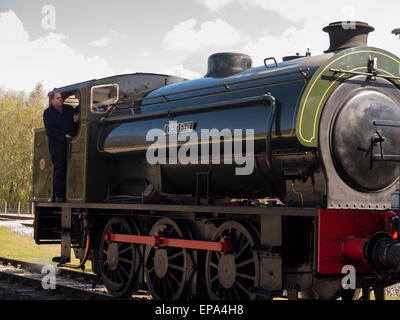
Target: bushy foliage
[[20, 114]]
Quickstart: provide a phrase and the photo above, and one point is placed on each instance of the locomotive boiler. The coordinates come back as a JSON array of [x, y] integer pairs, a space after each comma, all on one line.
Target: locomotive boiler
[[250, 182]]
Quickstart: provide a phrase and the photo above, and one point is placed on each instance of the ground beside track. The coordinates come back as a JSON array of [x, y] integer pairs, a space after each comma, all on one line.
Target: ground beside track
[[21, 247]]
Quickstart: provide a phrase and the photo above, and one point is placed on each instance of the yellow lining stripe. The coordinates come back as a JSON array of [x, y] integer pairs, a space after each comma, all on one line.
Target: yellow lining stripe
[[318, 78]]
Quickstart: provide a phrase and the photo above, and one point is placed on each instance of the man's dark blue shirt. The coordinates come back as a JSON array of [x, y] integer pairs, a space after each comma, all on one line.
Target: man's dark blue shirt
[[59, 124]]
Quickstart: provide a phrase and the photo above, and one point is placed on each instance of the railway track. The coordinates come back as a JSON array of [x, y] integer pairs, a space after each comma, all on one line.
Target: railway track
[[10, 216], [25, 220], [20, 280]]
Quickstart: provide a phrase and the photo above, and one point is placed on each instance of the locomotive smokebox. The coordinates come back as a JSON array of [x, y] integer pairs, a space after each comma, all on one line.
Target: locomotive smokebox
[[347, 34], [225, 64]]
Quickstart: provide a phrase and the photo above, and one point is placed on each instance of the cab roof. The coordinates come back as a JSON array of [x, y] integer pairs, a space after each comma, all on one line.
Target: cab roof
[[111, 79]]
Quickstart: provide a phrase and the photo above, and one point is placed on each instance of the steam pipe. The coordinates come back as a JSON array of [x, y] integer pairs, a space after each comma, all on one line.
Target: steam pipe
[[85, 257]]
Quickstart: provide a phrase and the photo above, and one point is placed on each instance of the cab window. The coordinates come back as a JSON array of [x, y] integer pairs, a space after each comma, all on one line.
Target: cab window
[[103, 96], [72, 99]]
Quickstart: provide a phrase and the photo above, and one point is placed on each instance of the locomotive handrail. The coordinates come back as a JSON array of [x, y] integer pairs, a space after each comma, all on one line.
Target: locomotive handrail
[[268, 147], [226, 85], [270, 58], [368, 74], [200, 108]]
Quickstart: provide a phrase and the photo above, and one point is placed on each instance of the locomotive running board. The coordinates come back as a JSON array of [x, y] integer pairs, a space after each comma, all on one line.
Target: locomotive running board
[[273, 211]]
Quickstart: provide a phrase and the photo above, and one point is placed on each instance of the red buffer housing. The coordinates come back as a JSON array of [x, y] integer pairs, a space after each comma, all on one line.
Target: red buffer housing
[[343, 235]]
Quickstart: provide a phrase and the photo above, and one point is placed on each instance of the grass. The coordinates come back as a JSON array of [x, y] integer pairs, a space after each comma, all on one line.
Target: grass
[[19, 247]]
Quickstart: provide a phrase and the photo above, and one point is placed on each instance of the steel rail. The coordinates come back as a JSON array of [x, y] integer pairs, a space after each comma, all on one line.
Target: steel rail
[[69, 290], [35, 267]]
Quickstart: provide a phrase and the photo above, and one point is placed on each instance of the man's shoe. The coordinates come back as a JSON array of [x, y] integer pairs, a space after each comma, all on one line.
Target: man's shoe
[[60, 199]]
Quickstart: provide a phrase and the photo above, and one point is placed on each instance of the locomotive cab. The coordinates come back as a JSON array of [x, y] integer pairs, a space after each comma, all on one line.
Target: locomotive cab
[[84, 165], [42, 166]]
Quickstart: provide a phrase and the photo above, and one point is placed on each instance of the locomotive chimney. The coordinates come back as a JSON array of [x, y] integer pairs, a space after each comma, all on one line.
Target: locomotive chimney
[[347, 34]]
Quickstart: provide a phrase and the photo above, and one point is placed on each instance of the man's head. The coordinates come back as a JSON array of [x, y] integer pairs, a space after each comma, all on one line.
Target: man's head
[[56, 100]]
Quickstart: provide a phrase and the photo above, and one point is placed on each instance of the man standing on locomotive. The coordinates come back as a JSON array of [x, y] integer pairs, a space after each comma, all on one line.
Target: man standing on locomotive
[[61, 124]]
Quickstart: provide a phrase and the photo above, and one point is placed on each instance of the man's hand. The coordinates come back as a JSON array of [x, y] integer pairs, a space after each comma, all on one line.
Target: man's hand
[[67, 136], [76, 118]]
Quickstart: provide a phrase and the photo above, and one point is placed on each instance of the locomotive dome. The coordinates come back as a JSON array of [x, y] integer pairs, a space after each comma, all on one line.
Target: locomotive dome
[[225, 64]]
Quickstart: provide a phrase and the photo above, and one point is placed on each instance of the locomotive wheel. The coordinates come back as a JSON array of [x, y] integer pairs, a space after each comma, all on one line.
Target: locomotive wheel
[[230, 276], [119, 261], [168, 270]]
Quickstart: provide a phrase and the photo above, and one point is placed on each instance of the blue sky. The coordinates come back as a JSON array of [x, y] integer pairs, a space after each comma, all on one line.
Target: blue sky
[[94, 39]]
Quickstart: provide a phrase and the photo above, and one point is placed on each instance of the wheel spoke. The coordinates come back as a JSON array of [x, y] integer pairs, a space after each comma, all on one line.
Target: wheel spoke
[[219, 288], [236, 293], [126, 260], [245, 276], [164, 287], [171, 275], [154, 281], [237, 283], [170, 286], [125, 250], [244, 263], [242, 250], [120, 229], [124, 271], [178, 254], [108, 273], [119, 276], [214, 265], [174, 266]]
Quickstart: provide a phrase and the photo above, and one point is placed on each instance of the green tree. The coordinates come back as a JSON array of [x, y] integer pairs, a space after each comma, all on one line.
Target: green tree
[[19, 115]]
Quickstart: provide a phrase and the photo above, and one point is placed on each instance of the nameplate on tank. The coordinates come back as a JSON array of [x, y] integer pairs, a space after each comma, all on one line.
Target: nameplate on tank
[[174, 127]]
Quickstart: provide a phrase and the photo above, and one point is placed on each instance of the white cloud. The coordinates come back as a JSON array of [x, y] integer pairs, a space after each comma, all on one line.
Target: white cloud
[[290, 42], [111, 36], [49, 59], [102, 42], [214, 5], [314, 15], [216, 33], [181, 71]]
